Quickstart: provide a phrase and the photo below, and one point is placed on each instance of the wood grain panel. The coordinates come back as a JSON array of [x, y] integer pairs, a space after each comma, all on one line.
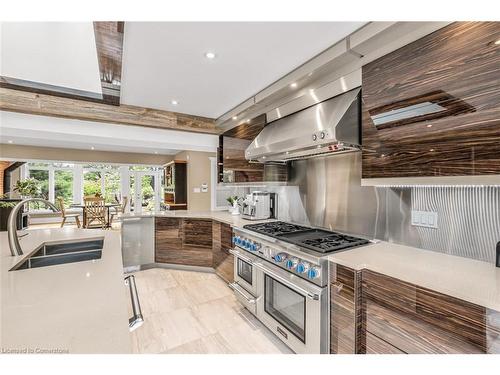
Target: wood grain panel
[[109, 45], [197, 233], [418, 320], [345, 311], [375, 345], [223, 261], [456, 67], [49, 105], [183, 241]]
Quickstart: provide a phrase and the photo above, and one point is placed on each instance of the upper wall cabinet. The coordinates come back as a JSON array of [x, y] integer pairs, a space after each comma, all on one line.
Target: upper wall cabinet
[[232, 164], [432, 107]]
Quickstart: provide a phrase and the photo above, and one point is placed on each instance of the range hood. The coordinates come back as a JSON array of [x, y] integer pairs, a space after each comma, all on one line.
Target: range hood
[[329, 127]]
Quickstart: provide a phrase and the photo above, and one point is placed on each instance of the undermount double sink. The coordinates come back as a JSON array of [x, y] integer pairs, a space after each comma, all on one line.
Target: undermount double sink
[[54, 253]]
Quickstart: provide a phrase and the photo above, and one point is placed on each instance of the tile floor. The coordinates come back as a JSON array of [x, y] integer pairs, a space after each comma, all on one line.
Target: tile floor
[[194, 313]]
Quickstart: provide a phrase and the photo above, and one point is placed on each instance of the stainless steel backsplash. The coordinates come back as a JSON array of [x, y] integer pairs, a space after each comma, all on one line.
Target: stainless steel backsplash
[[326, 192]]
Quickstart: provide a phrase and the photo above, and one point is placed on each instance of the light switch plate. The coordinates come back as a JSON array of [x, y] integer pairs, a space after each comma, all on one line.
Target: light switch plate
[[428, 219]]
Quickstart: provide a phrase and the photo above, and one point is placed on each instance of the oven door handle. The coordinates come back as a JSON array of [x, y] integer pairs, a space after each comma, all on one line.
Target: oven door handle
[[236, 287], [236, 253], [311, 295]]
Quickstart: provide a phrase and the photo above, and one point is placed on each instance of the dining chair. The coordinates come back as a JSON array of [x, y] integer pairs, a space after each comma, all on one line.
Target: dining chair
[[95, 211], [119, 210], [65, 215]]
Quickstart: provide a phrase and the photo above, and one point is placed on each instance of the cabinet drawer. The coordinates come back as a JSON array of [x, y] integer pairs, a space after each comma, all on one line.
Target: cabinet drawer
[[449, 316], [168, 227], [411, 334]]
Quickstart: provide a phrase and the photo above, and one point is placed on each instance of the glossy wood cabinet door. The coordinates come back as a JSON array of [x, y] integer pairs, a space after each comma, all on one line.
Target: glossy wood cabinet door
[[345, 313], [223, 261], [432, 107], [183, 241], [412, 319]]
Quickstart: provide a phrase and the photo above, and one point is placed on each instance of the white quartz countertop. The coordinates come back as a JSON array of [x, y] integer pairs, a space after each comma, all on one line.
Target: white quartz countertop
[[467, 279], [235, 221], [75, 307]]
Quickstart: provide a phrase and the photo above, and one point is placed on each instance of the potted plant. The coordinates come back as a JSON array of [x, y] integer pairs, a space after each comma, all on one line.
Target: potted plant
[[234, 202], [27, 188]]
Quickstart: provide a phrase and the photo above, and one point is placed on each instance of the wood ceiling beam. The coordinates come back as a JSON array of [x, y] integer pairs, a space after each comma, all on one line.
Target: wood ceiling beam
[[109, 46], [55, 106]]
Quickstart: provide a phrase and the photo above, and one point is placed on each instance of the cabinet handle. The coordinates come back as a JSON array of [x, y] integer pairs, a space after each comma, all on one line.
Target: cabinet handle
[[236, 287], [137, 319]]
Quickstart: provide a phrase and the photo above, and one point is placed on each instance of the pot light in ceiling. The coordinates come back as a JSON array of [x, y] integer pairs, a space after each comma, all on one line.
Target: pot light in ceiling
[[293, 85], [156, 152], [174, 102], [497, 42], [235, 118], [92, 148], [10, 141], [210, 55]]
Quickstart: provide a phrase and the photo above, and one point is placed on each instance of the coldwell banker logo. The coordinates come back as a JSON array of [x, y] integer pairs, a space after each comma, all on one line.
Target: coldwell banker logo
[[34, 351]]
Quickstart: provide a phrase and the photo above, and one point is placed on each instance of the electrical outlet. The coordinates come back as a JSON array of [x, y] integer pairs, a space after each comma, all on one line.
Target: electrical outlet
[[426, 219]]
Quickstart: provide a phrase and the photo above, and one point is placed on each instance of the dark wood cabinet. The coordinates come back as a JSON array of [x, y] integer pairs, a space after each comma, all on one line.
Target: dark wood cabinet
[[345, 327], [374, 313], [223, 261], [176, 185], [183, 241], [232, 164], [413, 319], [432, 107]]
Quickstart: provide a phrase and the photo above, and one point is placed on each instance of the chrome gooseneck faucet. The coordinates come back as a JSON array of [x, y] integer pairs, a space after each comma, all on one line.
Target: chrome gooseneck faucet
[[15, 246]]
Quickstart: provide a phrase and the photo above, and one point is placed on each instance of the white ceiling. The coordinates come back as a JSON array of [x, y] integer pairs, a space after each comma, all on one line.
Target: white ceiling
[[32, 130], [164, 61], [56, 53]]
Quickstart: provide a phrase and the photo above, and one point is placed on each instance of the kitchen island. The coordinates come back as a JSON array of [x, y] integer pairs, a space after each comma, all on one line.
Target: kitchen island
[[68, 308]]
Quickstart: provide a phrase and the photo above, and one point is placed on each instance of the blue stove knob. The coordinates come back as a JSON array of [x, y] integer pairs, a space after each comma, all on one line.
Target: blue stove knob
[[278, 258], [313, 273]]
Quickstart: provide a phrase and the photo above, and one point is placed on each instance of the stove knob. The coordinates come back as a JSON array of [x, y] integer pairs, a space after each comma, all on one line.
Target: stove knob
[[238, 240], [291, 263], [313, 273], [315, 137], [249, 245], [280, 257], [322, 135], [255, 246], [302, 267]]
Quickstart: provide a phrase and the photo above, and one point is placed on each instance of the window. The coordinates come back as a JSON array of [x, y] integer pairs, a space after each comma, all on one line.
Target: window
[[42, 176], [92, 184], [63, 186]]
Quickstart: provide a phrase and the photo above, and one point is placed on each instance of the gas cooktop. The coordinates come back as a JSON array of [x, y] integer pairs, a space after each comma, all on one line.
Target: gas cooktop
[[319, 240]]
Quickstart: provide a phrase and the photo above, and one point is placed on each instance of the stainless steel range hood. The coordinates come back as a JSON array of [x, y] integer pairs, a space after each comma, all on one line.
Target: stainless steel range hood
[[332, 126]]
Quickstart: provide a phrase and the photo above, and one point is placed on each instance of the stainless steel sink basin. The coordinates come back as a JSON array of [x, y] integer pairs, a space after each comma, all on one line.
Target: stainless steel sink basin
[[68, 247], [50, 254]]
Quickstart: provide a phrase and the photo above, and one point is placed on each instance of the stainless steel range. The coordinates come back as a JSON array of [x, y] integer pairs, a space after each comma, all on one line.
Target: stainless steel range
[[281, 276]]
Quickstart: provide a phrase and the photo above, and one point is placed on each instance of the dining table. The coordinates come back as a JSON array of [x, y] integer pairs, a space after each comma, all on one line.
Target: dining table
[[108, 206]]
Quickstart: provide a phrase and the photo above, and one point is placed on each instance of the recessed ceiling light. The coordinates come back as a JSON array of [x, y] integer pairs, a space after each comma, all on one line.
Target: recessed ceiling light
[[174, 102], [156, 152], [235, 118], [210, 55], [248, 121], [293, 85], [92, 148], [497, 42], [10, 141]]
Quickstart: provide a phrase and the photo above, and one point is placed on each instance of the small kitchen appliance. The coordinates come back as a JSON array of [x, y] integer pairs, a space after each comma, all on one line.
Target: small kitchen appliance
[[260, 205]]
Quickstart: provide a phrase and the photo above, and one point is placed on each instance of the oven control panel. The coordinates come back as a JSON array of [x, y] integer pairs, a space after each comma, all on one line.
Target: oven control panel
[[246, 243], [282, 259]]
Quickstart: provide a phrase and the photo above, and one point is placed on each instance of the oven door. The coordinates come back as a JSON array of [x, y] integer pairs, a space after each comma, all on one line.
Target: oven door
[[245, 279], [293, 309]]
